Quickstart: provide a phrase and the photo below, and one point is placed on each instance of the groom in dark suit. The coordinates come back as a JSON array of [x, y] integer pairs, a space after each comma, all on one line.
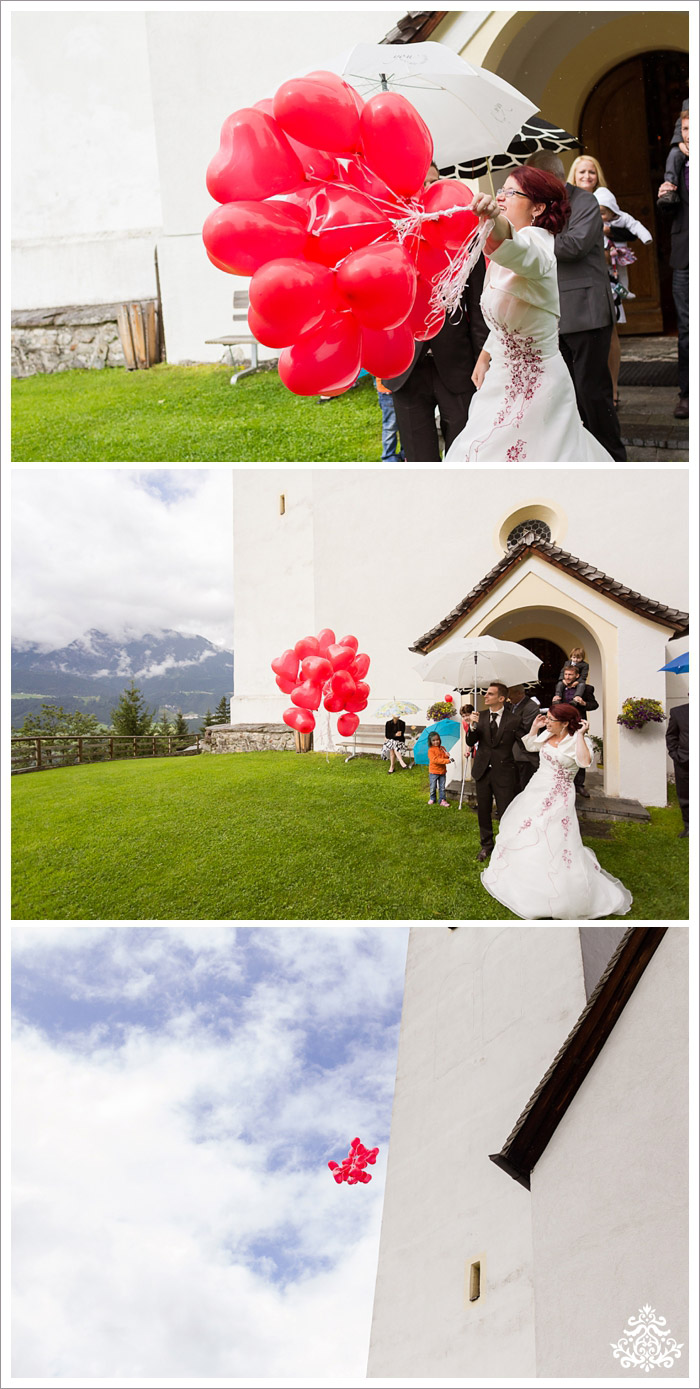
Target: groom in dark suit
[[496, 730], [441, 374]]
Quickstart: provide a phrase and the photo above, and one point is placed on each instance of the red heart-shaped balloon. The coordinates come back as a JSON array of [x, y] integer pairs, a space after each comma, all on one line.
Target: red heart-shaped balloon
[[349, 641], [319, 102], [343, 220], [379, 284], [423, 321], [326, 638], [360, 666], [307, 695], [333, 702], [342, 683], [355, 703], [341, 657], [316, 668], [287, 664], [243, 236], [325, 360], [292, 295], [347, 724], [308, 646], [300, 719], [254, 159], [388, 352], [286, 683], [449, 232], [397, 143]]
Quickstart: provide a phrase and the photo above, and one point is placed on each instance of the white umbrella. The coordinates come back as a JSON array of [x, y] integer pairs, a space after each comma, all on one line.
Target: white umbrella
[[477, 662], [474, 662], [469, 111]]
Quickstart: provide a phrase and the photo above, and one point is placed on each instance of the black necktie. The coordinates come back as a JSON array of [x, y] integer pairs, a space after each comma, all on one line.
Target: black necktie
[[494, 726]]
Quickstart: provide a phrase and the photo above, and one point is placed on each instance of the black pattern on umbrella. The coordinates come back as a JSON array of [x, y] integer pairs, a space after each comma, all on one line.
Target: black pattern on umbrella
[[536, 134]]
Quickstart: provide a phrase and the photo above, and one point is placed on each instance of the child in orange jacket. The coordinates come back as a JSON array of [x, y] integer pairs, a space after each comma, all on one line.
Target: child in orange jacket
[[438, 758]]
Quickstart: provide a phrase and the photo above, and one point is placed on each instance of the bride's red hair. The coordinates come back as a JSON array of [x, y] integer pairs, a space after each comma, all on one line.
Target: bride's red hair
[[542, 187], [566, 713]]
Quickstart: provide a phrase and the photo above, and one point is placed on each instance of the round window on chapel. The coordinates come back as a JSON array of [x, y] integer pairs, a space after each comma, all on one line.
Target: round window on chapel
[[539, 530]]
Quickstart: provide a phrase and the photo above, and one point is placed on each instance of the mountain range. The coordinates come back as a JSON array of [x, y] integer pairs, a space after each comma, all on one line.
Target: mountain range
[[172, 670]]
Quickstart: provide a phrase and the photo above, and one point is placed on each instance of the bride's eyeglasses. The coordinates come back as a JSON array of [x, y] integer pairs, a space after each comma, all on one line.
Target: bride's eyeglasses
[[510, 193]]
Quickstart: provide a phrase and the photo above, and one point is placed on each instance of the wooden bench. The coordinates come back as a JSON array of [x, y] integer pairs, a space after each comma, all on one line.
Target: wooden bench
[[241, 304]]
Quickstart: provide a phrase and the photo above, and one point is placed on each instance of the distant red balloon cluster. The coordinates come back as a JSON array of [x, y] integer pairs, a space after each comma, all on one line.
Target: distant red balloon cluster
[[353, 1168], [323, 669], [341, 257]]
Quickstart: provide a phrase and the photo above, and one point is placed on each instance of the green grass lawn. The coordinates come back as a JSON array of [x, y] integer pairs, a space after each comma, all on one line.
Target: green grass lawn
[[275, 836], [187, 415]]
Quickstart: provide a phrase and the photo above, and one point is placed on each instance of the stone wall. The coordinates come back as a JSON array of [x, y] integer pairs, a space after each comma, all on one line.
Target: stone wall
[[254, 737], [49, 340]]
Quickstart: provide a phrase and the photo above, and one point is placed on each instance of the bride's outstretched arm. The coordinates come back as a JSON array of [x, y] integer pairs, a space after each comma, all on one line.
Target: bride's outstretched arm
[[486, 209], [583, 750]]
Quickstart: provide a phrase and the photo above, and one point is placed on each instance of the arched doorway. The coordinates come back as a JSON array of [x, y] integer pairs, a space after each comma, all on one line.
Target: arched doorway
[[627, 123], [553, 657]]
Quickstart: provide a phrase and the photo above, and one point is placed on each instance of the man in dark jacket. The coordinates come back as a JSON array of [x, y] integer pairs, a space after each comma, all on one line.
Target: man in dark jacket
[[677, 741], [527, 709], [587, 309], [441, 374], [495, 729], [674, 198]]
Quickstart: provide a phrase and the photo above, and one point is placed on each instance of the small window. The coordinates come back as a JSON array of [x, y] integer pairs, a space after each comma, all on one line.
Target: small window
[[539, 530], [283, 504], [475, 1281]]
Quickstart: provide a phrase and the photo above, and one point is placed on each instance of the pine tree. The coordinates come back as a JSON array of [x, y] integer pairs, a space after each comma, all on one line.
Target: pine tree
[[54, 720], [222, 713], [180, 725], [131, 717], [163, 727], [208, 721]]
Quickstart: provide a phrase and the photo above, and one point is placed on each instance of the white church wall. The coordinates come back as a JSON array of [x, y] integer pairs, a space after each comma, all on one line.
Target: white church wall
[[394, 551], [485, 1010], [609, 1194], [281, 577], [85, 183]]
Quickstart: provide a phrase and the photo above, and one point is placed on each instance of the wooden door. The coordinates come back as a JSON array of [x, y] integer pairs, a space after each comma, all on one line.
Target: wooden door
[[614, 129]]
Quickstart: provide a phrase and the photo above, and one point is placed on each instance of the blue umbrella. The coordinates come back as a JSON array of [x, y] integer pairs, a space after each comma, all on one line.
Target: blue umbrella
[[679, 666], [449, 730]]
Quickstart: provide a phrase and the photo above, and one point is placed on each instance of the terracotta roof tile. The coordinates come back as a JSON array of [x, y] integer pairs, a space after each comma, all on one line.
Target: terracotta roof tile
[[415, 27], [579, 568]]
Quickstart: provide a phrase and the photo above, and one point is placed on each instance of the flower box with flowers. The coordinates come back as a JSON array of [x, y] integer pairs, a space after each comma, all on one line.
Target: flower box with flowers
[[637, 713]]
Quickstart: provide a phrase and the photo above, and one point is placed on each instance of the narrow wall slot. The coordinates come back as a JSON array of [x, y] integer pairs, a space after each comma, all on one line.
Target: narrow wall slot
[[282, 504], [475, 1281]]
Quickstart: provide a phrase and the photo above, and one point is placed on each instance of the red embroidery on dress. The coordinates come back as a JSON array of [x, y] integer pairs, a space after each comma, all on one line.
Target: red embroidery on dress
[[561, 782], [525, 826], [565, 826], [566, 858], [524, 362]]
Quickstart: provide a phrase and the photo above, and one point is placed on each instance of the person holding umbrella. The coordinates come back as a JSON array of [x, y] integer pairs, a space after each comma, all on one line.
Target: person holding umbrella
[[394, 747], [496, 730]]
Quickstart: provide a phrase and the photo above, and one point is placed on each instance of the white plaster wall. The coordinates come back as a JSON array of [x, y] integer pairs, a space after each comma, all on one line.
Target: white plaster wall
[[273, 585], [485, 1010], [85, 182], [392, 552], [609, 1194]]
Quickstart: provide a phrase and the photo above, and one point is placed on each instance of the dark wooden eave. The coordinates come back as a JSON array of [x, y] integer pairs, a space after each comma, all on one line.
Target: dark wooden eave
[[416, 26], [561, 559], [555, 1092]]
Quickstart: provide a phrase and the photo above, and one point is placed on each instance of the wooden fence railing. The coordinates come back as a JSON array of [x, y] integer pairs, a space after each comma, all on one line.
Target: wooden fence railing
[[41, 752]]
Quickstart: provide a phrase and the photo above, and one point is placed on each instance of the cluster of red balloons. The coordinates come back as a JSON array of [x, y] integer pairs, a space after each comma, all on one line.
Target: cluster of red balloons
[[321, 668], [353, 1168], [341, 257]]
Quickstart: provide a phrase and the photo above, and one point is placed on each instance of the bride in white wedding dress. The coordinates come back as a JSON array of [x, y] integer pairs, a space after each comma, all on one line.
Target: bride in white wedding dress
[[540, 868], [524, 407]]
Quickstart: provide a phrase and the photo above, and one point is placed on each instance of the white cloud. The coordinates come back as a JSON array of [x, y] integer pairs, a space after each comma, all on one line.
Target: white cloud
[[108, 549], [162, 1172]]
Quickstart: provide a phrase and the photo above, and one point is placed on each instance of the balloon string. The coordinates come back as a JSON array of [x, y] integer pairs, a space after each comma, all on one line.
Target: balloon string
[[449, 287]]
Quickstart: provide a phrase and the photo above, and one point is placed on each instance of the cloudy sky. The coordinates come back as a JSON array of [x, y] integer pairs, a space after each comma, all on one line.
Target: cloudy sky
[[123, 551], [177, 1095]]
